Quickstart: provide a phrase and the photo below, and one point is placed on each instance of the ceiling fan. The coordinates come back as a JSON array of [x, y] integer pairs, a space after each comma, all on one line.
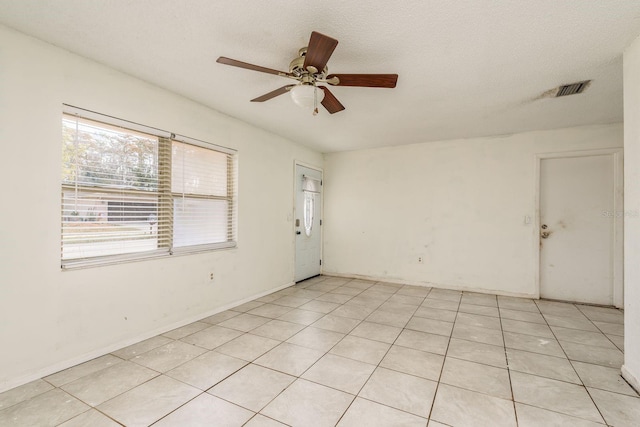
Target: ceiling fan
[[309, 69]]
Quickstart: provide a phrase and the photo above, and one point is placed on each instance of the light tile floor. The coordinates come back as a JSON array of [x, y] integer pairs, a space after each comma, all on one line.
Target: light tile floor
[[332, 351]]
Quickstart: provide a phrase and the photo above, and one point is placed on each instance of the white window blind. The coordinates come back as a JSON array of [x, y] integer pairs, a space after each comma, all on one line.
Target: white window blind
[[202, 209], [132, 192], [310, 184]]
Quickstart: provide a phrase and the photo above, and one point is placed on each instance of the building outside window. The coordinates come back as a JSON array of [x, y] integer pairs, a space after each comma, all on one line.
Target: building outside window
[[130, 191]]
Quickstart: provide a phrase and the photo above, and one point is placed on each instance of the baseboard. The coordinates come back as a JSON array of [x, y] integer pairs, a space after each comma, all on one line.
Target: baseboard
[[431, 285], [630, 378], [60, 366]]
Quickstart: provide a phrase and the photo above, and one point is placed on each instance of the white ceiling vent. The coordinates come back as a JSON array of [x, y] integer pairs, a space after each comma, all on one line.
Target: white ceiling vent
[[573, 88]]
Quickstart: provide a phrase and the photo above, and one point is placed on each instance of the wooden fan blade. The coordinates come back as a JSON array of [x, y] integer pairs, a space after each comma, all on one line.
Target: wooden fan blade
[[235, 63], [273, 94], [366, 80], [319, 51], [330, 102]]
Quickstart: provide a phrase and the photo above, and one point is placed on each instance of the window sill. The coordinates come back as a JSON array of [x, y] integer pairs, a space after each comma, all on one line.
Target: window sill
[[78, 264]]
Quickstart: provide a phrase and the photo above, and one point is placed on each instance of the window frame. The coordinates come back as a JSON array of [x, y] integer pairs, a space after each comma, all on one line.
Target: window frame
[[165, 141]]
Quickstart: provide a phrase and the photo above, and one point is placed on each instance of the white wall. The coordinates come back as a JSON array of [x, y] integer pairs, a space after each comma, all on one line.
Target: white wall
[[631, 368], [460, 204], [50, 319]]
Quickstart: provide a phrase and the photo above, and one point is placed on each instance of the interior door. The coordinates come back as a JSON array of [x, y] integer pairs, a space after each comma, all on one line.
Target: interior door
[[576, 228], [308, 201]]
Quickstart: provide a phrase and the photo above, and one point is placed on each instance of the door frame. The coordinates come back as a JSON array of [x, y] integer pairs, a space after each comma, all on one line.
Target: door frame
[[618, 216], [297, 163]]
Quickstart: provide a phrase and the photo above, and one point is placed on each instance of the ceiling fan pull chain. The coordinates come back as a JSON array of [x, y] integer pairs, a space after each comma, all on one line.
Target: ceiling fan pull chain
[[315, 100]]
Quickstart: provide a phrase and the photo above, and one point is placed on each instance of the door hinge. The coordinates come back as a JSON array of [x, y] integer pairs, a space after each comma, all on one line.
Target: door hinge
[[320, 262], [320, 222]]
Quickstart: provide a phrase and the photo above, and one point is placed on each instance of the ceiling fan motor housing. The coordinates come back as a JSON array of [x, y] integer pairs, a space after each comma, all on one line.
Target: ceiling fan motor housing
[[296, 67]]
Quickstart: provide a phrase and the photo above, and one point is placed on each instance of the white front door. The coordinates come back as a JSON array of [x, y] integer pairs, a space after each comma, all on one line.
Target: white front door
[[308, 199], [577, 228]]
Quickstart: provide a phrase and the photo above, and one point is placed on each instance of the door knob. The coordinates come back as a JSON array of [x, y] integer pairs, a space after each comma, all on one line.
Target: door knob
[[298, 232], [544, 226], [544, 234]]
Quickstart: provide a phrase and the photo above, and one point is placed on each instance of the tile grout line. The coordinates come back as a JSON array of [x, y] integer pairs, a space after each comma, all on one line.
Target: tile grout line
[[506, 356], [444, 359], [314, 363], [374, 369], [557, 357], [573, 367], [378, 365], [264, 367], [598, 328], [295, 377]]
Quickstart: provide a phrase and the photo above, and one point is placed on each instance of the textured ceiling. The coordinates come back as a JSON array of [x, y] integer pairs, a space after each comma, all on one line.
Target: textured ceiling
[[467, 68]]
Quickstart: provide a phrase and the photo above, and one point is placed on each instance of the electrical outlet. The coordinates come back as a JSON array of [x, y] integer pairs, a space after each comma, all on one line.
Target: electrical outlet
[[420, 260], [211, 277]]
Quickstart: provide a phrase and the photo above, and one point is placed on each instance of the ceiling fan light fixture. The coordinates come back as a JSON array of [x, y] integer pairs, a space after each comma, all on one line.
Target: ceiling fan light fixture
[[303, 95]]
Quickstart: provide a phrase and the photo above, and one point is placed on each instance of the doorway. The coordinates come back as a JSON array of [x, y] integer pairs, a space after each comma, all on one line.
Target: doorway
[[307, 222], [580, 227]]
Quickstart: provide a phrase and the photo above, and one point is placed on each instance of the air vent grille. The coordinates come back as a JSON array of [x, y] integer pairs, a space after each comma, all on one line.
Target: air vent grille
[[573, 88]]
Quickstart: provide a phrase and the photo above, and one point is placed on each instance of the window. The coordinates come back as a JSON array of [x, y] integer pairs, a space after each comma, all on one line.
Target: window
[[309, 209], [310, 187], [130, 191]]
